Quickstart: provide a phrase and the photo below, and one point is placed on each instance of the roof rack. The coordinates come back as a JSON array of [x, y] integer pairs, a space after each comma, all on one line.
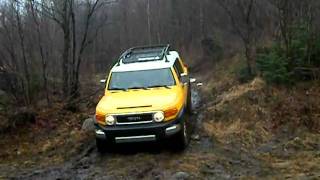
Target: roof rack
[[144, 54]]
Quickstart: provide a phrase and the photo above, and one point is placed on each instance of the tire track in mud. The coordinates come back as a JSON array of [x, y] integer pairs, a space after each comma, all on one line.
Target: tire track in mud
[[69, 170], [205, 158], [89, 164]]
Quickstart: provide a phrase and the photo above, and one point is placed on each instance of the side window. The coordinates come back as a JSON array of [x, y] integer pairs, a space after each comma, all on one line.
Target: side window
[[181, 64], [178, 68]]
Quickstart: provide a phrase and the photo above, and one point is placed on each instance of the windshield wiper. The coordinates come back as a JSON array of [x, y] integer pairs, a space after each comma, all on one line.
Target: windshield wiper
[[145, 88], [157, 86], [117, 89]]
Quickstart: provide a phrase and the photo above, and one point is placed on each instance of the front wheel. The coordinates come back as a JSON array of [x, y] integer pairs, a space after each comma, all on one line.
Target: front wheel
[[181, 140], [101, 145]]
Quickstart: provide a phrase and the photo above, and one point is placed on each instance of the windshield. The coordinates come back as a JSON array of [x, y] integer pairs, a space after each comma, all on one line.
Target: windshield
[[141, 79]]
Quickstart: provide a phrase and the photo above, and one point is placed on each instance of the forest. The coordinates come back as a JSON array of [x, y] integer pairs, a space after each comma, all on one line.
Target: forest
[[260, 55], [47, 46]]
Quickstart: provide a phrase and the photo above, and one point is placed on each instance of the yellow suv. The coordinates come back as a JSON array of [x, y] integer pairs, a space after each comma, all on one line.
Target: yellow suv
[[146, 98]]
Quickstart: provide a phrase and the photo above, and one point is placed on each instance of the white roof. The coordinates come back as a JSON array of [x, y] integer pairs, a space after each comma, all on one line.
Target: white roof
[[140, 66]]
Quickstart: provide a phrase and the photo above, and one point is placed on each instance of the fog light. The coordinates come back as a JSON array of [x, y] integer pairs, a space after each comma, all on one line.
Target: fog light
[[173, 130], [158, 117], [110, 120], [99, 132]]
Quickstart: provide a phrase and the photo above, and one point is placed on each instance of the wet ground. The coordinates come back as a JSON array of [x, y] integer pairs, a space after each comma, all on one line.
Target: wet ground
[[128, 161], [207, 157]]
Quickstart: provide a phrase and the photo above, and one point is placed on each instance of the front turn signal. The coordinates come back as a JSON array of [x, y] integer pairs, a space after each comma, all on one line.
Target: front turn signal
[[100, 119], [170, 112]]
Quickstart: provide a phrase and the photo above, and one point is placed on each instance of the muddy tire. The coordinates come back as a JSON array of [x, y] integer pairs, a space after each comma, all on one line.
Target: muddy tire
[[182, 139], [189, 100], [101, 145]]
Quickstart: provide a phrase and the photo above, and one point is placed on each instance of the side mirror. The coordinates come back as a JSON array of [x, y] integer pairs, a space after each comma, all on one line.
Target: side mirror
[[193, 80], [184, 78], [103, 81], [183, 74]]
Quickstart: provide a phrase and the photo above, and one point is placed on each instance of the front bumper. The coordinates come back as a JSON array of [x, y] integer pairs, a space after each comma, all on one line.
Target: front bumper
[[138, 133]]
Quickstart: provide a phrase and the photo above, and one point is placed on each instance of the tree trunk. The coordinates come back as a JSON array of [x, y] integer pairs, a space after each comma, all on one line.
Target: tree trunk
[[149, 22], [250, 53], [74, 92], [24, 58], [202, 21], [41, 49], [65, 63], [66, 49], [84, 43]]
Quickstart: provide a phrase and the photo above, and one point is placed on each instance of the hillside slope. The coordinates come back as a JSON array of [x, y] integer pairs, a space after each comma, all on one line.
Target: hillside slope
[[249, 130]]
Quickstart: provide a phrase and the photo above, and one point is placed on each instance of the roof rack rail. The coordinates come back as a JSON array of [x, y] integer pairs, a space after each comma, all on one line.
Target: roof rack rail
[[144, 54]]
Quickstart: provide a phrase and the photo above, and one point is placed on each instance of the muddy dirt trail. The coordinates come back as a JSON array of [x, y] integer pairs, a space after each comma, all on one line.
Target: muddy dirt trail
[[218, 150], [203, 158]]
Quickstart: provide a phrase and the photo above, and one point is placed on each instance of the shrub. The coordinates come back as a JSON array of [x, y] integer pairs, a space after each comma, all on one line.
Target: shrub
[[304, 47], [282, 66], [273, 67]]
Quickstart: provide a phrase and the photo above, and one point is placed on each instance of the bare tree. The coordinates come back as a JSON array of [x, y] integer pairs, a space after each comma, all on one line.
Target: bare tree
[[41, 48], [63, 13], [243, 15], [91, 8], [52, 45], [17, 8], [293, 13], [149, 21]]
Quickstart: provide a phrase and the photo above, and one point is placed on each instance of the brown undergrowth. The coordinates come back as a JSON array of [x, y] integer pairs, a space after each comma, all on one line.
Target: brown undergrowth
[[53, 138], [277, 125]]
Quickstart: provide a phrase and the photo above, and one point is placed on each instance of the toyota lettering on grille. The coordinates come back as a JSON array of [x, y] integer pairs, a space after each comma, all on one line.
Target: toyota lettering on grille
[[135, 118]]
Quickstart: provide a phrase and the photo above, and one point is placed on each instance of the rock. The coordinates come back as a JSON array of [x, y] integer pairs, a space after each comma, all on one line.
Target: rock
[[267, 148], [195, 137], [88, 125], [180, 176]]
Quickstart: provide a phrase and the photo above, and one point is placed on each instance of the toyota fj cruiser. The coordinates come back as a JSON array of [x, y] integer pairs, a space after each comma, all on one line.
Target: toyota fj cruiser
[[146, 98]]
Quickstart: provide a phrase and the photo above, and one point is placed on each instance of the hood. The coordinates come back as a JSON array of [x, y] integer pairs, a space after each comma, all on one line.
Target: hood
[[137, 100]]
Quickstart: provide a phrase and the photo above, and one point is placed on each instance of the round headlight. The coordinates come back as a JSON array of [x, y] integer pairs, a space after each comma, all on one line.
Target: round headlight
[[110, 120], [158, 117]]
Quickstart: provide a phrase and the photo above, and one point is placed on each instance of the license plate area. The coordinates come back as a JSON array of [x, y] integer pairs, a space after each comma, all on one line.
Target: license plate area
[[134, 119]]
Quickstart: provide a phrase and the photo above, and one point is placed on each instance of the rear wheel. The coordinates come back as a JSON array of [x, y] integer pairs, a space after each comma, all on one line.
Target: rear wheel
[[189, 100], [101, 145]]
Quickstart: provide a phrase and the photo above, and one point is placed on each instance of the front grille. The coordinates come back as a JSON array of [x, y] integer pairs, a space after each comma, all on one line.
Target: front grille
[[134, 118]]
